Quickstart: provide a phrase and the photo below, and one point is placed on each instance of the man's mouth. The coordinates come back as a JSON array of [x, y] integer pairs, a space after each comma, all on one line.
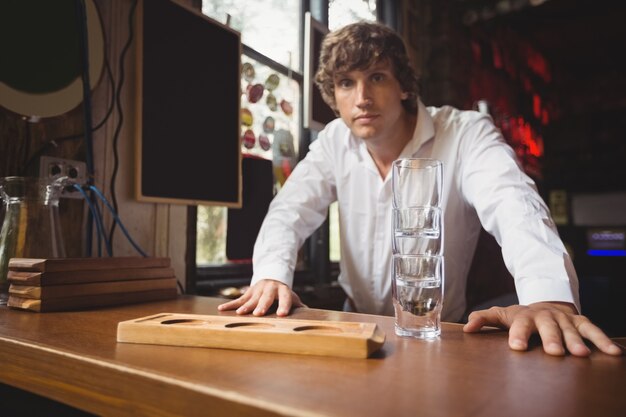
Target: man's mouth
[[365, 117]]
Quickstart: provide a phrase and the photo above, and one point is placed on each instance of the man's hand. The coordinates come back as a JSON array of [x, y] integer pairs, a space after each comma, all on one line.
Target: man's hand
[[558, 325], [259, 298]]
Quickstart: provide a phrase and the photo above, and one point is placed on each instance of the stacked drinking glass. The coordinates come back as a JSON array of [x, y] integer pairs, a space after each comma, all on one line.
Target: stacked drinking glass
[[418, 271]]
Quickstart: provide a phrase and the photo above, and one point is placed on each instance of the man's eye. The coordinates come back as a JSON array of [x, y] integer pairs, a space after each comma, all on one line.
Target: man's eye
[[378, 77], [344, 83]]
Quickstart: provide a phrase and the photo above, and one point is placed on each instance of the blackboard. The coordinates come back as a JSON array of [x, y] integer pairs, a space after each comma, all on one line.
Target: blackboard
[[188, 146]]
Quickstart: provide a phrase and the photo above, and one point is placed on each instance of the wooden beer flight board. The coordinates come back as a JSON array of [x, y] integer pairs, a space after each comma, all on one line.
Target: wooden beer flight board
[[266, 334]]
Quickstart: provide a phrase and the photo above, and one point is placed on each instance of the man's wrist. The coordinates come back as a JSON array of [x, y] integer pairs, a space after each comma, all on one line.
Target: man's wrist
[[561, 305]]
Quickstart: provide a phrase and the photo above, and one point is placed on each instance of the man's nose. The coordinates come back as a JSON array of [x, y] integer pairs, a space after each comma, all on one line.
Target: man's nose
[[364, 98]]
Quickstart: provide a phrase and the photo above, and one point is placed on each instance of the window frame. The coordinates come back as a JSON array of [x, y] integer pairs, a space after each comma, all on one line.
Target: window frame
[[210, 278], [319, 270]]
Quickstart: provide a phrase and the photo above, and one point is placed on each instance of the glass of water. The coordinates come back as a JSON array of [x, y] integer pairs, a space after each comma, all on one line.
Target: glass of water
[[417, 289], [417, 246], [417, 182], [417, 231]]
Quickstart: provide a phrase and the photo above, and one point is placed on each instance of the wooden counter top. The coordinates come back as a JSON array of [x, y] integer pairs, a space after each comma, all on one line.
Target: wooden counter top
[[73, 357]]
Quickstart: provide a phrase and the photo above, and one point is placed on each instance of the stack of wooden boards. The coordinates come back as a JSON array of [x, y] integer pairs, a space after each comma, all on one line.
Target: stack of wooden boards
[[74, 283]]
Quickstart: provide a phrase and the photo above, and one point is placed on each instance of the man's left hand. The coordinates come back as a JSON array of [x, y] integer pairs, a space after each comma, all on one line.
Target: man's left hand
[[558, 325]]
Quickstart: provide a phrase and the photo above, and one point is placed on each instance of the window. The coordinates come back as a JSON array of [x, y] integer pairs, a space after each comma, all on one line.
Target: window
[[270, 129], [270, 27], [343, 12], [272, 58], [270, 101]]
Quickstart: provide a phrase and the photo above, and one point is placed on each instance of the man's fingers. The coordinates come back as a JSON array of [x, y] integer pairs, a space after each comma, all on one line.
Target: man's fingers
[[265, 300], [284, 301], [520, 328], [495, 316], [573, 340], [558, 325], [233, 304], [519, 333], [548, 324], [230, 305], [475, 322], [595, 335], [254, 293], [560, 330], [259, 298]]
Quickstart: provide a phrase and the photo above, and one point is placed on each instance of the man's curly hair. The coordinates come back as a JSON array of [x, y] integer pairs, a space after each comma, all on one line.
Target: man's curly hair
[[358, 46]]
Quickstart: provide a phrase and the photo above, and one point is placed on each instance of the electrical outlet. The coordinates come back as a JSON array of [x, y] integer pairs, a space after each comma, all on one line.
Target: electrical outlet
[[53, 168]]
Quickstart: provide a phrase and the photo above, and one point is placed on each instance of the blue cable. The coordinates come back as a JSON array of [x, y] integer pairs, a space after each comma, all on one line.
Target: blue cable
[[96, 215], [118, 221], [130, 239], [91, 210], [107, 242]]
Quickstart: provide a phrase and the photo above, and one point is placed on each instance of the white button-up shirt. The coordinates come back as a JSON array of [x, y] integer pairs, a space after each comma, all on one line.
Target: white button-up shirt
[[482, 184]]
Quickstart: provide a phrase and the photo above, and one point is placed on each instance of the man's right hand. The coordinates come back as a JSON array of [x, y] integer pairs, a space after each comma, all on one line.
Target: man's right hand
[[260, 297]]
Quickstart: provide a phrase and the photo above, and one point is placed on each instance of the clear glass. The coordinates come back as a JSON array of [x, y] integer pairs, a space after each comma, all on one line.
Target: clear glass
[[422, 221], [417, 182], [417, 288], [271, 27], [31, 227], [417, 231], [418, 275], [343, 12]]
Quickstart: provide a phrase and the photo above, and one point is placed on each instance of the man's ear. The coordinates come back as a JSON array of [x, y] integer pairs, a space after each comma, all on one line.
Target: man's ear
[[404, 95]]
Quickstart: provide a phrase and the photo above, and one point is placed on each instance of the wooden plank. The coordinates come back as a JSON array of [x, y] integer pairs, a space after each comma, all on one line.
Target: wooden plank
[[76, 277], [90, 301], [308, 337], [78, 264], [94, 288]]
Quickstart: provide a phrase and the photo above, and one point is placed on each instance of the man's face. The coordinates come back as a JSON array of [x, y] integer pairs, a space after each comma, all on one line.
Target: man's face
[[370, 101]]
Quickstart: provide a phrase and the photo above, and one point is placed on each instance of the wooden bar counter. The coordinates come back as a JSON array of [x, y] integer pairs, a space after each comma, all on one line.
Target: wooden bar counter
[[74, 358]]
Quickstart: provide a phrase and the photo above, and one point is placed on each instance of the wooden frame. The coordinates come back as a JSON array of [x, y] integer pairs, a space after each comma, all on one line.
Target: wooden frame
[[192, 121], [316, 111]]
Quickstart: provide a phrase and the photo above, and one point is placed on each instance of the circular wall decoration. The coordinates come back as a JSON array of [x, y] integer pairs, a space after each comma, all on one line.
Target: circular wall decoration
[[40, 74]]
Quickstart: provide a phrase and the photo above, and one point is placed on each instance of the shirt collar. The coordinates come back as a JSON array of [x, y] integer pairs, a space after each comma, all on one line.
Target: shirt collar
[[424, 131]]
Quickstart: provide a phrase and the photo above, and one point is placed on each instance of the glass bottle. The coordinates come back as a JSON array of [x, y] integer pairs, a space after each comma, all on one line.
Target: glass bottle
[[31, 227]]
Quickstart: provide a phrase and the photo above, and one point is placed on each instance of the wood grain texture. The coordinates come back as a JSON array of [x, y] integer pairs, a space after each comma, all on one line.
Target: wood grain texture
[[94, 288], [81, 264], [90, 301], [84, 276], [306, 337], [74, 357]]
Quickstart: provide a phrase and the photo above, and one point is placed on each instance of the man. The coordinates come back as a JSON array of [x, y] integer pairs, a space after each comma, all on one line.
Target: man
[[365, 76]]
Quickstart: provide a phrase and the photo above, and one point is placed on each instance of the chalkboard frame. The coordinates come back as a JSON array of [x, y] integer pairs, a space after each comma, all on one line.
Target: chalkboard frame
[[316, 112], [188, 148]]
